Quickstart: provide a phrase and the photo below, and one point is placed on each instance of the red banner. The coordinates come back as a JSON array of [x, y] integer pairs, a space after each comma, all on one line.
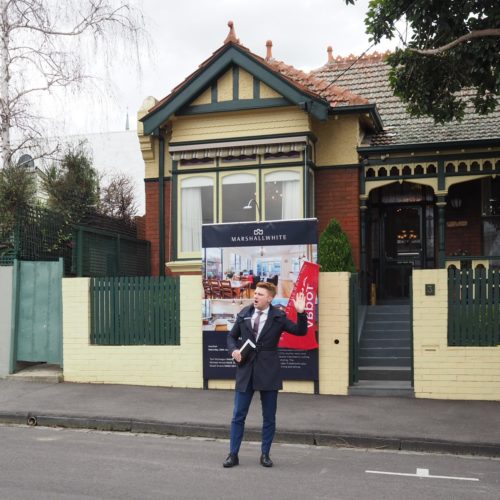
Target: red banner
[[307, 282]]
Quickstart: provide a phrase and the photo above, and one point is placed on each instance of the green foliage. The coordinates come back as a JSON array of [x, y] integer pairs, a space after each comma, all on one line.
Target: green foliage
[[441, 85], [72, 185], [334, 250], [17, 191]]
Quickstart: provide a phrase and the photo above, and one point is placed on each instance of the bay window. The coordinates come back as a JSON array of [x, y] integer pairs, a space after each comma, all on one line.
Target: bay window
[[197, 208], [283, 197], [237, 190]]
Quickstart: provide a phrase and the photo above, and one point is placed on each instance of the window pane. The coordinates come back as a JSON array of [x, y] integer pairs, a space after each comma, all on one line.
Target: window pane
[[237, 191], [197, 201], [283, 200]]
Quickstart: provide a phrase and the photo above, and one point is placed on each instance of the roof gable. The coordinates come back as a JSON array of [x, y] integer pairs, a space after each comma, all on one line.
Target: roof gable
[[233, 55], [234, 90]]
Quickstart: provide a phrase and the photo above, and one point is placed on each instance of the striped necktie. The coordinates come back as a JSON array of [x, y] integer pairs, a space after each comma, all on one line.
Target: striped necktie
[[256, 324]]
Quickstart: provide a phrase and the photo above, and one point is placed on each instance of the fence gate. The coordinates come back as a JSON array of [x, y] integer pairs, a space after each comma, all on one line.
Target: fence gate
[[38, 318]]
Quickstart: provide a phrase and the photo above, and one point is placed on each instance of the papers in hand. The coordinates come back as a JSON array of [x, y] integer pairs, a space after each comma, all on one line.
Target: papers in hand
[[247, 347]]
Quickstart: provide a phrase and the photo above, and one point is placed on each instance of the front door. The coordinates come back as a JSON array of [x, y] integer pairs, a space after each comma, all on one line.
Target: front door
[[402, 234], [402, 249]]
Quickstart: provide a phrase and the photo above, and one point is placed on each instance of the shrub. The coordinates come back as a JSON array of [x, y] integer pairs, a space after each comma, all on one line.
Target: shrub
[[334, 250]]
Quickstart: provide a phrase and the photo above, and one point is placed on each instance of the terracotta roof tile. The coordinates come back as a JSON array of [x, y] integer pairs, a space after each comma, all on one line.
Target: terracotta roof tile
[[313, 85], [334, 94], [368, 77]]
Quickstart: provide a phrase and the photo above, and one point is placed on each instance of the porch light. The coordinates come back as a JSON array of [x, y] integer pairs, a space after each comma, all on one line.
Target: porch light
[[456, 202]]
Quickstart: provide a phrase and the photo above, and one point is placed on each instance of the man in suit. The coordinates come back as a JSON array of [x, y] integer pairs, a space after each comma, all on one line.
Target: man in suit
[[260, 370]]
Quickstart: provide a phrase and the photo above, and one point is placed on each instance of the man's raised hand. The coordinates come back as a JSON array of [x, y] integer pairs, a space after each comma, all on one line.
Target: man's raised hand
[[300, 302]]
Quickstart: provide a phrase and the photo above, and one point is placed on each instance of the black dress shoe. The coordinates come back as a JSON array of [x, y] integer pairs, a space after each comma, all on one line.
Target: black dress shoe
[[265, 461], [231, 461]]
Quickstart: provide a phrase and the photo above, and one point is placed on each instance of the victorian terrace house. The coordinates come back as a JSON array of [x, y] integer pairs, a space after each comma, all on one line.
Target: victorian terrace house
[[332, 143]]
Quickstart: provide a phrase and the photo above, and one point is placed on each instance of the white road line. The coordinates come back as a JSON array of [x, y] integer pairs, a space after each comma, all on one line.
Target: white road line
[[421, 473]]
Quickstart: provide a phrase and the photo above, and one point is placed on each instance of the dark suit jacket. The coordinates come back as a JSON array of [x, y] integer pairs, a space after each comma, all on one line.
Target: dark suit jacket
[[263, 365]]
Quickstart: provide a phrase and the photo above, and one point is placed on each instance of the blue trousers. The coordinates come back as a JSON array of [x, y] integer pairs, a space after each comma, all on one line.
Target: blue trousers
[[242, 400]]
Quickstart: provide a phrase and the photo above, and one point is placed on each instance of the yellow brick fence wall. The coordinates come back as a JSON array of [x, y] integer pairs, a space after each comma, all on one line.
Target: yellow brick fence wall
[[443, 372], [181, 366]]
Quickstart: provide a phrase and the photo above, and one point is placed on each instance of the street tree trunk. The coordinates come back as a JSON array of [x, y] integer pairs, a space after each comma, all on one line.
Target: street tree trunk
[[4, 86]]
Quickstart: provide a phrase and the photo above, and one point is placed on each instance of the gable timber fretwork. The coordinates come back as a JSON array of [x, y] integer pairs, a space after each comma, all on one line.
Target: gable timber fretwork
[[439, 173]]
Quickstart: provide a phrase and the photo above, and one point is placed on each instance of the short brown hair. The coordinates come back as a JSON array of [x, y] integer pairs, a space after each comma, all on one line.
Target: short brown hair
[[270, 287]]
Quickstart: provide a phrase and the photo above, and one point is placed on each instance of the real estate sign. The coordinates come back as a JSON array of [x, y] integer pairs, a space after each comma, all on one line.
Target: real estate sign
[[238, 256]]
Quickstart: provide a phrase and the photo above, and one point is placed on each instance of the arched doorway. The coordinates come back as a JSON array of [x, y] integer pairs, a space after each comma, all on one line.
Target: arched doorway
[[401, 237]]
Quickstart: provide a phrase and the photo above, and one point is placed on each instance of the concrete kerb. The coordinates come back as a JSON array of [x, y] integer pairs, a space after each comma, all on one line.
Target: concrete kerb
[[251, 434]]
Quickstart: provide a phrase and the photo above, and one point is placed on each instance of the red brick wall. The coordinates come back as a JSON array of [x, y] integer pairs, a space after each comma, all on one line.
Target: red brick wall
[[337, 196], [152, 231], [141, 227]]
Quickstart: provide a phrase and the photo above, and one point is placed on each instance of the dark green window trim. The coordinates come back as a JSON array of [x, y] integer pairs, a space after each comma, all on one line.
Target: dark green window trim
[[253, 166], [307, 134], [213, 93], [161, 202], [217, 197], [236, 83], [256, 88], [173, 222], [235, 105]]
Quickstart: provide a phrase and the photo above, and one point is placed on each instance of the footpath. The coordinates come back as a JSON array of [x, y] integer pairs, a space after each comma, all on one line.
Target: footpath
[[458, 427]]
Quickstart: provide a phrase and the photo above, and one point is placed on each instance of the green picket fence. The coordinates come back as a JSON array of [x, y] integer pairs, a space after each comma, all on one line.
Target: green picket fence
[[473, 307], [135, 311]]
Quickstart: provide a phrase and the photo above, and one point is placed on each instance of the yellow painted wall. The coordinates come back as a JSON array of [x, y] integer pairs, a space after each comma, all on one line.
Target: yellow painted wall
[[225, 87], [333, 296], [181, 366], [240, 124], [169, 366], [245, 88], [338, 138], [204, 98], [443, 372], [267, 92], [149, 144]]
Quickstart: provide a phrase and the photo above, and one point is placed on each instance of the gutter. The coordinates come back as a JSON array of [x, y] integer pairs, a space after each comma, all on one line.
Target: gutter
[[371, 109], [479, 143]]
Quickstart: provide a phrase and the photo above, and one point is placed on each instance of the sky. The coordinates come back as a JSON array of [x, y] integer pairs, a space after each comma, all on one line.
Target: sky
[[182, 34], [179, 36]]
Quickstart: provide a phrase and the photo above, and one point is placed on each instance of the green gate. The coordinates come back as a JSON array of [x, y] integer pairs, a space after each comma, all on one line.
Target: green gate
[[38, 311], [135, 311]]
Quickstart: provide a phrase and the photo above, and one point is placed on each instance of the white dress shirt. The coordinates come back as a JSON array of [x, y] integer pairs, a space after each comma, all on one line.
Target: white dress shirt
[[263, 319]]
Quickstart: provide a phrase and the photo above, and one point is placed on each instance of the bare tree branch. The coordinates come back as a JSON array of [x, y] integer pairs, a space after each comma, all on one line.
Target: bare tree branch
[[491, 32], [42, 48]]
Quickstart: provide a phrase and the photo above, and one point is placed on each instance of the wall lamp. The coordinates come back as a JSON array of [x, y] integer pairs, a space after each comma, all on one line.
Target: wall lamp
[[249, 206]]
